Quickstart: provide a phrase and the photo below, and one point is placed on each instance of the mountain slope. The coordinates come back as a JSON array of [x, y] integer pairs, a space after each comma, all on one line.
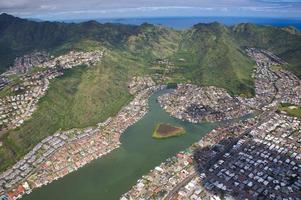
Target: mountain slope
[[82, 97], [20, 36], [284, 42], [154, 41], [217, 60]]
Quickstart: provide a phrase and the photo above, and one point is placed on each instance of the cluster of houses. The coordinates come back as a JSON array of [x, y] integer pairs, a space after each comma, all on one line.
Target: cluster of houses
[[139, 83], [272, 86], [289, 88], [196, 104], [265, 90], [165, 64], [64, 152], [74, 58], [193, 191], [19, 105], [21, 102], [162, 68], [42, 59], [232, 163], [4, 81], [266, 164], [25, 63], [163, 178]]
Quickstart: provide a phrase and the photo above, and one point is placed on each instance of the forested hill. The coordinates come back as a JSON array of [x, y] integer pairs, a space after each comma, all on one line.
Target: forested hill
[[19, 36]]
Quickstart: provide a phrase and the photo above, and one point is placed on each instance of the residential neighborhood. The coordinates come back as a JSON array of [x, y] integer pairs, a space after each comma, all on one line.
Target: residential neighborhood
[[20, 103], [198, 104], [254, 158], [246, 157], [272, 86], [264, 164], [66, 151], [27, 62]]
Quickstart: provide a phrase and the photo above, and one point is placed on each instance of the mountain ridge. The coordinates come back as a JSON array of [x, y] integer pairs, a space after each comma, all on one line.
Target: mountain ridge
[[212, 44]]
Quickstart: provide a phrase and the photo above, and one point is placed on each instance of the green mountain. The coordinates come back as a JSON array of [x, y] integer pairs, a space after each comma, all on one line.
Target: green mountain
[[20, 36], [206, 54], [217, 60], [284, 42]]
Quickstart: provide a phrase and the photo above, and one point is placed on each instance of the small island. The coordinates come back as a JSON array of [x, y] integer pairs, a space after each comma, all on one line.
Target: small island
[[163, 131]]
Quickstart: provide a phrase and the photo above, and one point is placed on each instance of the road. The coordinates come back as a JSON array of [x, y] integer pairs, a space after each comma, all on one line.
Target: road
[[179, 186]]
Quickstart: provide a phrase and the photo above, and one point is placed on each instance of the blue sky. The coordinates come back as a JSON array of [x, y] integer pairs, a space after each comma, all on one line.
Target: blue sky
[[89, 9]]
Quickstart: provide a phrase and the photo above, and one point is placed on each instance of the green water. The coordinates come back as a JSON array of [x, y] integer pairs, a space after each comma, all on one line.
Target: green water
[[108, 177]]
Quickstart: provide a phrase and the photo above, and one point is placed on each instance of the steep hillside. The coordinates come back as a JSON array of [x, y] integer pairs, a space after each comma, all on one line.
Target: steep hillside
[[20, 36], [284, 42], [154, 41], [215, 59]]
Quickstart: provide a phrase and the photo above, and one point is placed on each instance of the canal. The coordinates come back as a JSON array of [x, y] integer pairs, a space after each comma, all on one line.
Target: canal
[[108, 177]]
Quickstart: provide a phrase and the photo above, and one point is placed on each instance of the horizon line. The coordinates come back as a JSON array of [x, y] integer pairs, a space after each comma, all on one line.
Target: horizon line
[[160, 17]]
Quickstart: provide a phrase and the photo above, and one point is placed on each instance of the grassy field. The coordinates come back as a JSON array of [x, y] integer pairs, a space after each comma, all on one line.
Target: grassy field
[[292, 110], [163, 131]]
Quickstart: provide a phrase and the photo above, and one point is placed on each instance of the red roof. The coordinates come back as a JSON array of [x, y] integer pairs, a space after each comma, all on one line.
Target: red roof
[[179, 155], [20, 189], [10, 195]]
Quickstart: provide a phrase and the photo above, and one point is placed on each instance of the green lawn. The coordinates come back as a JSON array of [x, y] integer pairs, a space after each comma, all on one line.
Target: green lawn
[[290, 109]]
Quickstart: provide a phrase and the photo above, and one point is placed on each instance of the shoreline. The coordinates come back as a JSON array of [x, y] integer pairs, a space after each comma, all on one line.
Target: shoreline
[[183, 162], [75, 148]]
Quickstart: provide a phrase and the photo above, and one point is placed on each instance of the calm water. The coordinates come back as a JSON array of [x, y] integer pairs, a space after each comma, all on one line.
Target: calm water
[[187, 22], [107, 178]]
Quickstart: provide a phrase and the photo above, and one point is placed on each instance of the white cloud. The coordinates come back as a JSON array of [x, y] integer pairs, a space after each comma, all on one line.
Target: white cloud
[[61, 8]]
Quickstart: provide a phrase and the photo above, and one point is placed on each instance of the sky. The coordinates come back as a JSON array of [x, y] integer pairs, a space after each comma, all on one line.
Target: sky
[[93, 9]]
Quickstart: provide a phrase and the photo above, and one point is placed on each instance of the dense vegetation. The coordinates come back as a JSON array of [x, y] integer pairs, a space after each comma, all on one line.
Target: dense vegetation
[[207, 54], [19, 36], [164, 131], [214, 59]]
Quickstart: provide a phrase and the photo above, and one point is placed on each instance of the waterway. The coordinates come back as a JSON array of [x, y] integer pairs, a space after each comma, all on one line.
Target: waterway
[[108, 177]]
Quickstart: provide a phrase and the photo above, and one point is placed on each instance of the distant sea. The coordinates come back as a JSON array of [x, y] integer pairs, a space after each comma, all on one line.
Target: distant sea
[[187, 22]]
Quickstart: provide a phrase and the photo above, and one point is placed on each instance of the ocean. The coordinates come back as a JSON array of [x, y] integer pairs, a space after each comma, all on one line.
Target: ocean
[[187, 22]]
